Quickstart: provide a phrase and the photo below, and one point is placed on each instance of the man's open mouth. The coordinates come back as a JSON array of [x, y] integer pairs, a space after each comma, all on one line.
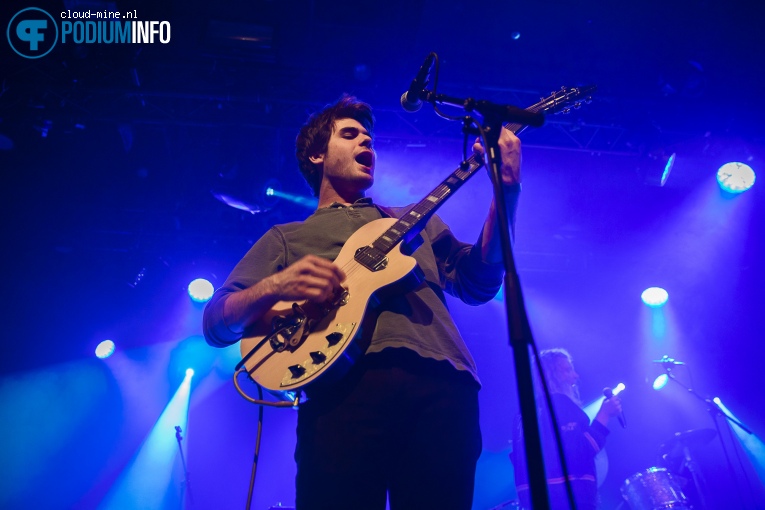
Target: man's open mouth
[[366, 158]]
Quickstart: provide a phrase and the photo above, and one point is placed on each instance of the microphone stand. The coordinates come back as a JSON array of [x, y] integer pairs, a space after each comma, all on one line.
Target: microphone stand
[[714, 410], [186, 486], [494, 115]]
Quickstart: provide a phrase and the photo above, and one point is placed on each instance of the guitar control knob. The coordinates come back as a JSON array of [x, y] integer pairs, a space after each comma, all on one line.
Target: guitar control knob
[[318, 357], [333, 338], [296, 370]]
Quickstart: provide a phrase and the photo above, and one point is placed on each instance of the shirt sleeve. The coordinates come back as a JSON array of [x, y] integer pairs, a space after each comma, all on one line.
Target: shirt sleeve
[[596, 434], [463, 272], [583, 439], [266, 257]]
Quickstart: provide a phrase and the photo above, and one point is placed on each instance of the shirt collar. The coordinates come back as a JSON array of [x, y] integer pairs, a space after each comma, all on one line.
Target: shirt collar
[[360, 201]]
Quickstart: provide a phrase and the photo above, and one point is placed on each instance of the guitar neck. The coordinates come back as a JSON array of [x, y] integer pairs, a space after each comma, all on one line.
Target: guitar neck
[[412, 223], [549, 104]]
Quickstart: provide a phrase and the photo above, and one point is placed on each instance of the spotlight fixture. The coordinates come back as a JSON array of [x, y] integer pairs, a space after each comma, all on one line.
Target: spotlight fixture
[[660, 381], [656, 167], [200, 290], [654, 297], [735, 177], [105, 349]]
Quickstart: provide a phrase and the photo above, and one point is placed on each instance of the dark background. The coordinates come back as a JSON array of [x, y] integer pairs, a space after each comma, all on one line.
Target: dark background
[[111, 156]]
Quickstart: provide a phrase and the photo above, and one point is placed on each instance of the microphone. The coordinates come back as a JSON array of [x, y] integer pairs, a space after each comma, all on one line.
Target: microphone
[[666, 360], [410, 100], [608, 393]]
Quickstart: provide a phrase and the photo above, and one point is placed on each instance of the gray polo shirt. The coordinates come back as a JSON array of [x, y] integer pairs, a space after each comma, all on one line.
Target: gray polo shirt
[[417, 319]]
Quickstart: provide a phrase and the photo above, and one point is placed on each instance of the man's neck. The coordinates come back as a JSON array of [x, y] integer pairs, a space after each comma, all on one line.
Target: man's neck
[[329, 197]]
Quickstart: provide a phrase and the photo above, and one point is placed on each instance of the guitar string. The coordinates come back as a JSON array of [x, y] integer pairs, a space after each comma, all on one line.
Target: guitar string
[[440, 191]]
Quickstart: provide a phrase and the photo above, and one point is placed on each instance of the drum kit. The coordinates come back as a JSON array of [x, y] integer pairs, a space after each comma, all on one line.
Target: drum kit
[[659, 488]]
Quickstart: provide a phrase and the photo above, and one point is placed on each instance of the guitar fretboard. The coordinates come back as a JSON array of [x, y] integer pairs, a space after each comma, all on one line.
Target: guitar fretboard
[[412, 223]]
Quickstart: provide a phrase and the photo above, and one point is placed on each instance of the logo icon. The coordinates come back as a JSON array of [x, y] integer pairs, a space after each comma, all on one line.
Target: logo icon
[[32, 33]]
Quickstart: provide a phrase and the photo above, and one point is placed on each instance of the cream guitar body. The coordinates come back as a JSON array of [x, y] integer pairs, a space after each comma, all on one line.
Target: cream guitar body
[[325, 336]]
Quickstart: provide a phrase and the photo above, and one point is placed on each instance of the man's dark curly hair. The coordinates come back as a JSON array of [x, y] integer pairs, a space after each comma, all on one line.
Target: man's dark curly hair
[[313, 138]]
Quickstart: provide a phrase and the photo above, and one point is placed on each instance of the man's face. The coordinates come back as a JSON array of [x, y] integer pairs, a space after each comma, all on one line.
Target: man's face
[[348, 164]]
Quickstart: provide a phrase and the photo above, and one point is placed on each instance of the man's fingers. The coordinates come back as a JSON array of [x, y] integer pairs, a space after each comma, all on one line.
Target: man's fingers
[[324, 267], [333, 275]]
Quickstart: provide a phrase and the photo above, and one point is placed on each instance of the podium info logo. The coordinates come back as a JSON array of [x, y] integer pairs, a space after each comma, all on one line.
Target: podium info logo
[[32, 33]]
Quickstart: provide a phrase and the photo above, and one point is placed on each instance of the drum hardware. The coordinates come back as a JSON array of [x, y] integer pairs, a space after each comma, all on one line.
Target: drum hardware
[[654, 489]]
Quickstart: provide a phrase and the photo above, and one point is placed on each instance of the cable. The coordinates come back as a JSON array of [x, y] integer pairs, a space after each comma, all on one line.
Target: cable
[[436, 109], [256, 453], [260, 402]]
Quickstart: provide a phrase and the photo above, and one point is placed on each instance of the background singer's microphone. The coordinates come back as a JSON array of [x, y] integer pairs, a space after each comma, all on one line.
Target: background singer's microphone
[[608, 393], [410, 100], [666, 360]]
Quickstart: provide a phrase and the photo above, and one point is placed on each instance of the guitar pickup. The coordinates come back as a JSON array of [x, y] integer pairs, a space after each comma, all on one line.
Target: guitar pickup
[[371, 258]]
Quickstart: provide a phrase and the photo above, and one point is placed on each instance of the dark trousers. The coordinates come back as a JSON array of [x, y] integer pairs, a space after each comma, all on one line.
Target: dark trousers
[[397, 423]]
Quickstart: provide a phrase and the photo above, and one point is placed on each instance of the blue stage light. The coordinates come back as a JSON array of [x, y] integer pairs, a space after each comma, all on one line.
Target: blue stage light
[[654, 297], [619, 388], [105, 349], [660, 382], [189, 372], [735, 177], [148, 479], [200, 290], [667, 169]]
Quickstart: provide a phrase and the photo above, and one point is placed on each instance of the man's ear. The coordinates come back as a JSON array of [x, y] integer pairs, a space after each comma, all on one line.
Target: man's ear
[[316, 159]]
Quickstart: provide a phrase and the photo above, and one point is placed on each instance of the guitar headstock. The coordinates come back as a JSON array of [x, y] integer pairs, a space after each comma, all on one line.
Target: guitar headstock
[[560, 101], [565, 99]]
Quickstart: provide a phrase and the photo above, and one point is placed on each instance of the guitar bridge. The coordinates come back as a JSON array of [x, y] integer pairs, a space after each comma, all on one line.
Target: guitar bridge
[[285, 330]]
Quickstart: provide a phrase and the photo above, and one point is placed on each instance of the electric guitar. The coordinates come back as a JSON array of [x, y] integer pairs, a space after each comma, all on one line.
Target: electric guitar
[[295, 344]]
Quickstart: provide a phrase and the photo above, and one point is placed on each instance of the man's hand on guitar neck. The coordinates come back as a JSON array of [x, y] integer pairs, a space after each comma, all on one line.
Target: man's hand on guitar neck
[[310, 278], [510, 151]]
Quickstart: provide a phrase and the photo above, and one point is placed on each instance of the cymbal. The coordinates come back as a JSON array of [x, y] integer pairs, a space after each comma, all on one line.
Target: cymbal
[[690, 439]]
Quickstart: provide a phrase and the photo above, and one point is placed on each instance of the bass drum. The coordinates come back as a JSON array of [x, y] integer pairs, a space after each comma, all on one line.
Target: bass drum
[[654, 489]]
